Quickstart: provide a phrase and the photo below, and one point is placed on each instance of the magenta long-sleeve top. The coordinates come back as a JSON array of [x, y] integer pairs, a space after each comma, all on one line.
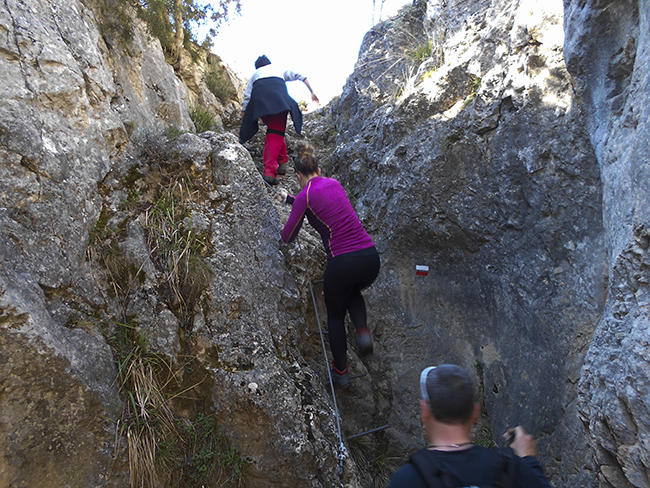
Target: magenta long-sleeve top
[[328, 210]]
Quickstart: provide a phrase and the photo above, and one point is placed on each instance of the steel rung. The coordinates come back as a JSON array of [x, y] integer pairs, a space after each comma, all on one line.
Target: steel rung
[[369, 432]]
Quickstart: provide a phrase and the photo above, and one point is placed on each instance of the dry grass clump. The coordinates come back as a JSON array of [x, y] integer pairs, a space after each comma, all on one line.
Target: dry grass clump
[[161, 194], [164, 450], [177, 249], [371, 456], [146, 420]]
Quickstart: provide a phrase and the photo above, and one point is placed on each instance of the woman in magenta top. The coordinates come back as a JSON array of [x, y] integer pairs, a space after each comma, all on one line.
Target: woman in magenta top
[[352, 260]]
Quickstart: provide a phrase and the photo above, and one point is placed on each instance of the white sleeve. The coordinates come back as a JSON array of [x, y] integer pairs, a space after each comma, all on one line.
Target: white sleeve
[[293, 76], [249, 90]]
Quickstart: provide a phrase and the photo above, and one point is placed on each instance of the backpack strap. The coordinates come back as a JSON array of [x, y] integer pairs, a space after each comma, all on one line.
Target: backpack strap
[[430, 471], [504, 468]]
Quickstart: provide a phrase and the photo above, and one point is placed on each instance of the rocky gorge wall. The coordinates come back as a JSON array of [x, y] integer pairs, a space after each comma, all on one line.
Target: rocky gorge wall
[[506, 155], [607, 48], [94, 195], [510, 162], [477, 163]]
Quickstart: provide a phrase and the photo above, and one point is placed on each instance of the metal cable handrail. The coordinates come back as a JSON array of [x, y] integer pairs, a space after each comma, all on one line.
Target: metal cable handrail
[[342, 449]]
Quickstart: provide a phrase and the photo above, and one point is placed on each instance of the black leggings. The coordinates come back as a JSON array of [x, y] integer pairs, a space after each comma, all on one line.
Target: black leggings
[[346, 275]]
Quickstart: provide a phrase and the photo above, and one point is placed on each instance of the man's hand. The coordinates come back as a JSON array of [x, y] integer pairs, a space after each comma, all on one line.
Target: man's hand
[[314, 98], [521, 442], [282, 196]]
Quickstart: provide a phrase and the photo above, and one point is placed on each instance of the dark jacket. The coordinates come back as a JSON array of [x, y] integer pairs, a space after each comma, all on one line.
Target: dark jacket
[[269, 97], [472, 467]]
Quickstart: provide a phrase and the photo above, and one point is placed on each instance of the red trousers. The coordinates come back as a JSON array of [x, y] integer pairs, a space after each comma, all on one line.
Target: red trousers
[[275, 146]]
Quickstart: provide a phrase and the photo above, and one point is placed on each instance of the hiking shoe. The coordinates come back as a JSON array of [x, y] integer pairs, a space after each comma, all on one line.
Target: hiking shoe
[[282, 169], [364, 342], [339, 378], [270, 180]]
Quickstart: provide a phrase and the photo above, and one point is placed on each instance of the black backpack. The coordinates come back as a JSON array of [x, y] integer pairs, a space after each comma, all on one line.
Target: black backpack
[[502, 470]]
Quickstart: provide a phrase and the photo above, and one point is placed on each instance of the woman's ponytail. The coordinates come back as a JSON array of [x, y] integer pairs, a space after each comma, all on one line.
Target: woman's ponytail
[[304, 162]]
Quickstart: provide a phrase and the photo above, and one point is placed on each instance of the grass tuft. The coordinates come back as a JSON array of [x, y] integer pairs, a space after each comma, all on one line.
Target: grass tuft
[[422, 52], [203, 119], [177, 249], [201, 456], [219, 82], [370, 455], [165, 450]]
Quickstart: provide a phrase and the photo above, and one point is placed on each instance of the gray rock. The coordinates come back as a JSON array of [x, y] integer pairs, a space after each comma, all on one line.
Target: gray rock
[[515, 175], [482, 169], [606, 51]]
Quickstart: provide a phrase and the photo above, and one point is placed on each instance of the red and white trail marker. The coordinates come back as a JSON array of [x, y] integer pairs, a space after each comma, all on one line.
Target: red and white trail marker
[[421, 270]]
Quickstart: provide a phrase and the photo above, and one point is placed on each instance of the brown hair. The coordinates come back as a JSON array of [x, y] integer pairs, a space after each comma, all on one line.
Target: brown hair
[[304, 162]]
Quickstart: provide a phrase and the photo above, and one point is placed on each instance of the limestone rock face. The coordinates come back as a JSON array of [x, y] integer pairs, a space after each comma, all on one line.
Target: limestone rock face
[[479, 165], [498, 143], [607, 54], [78, 117], [71, 97], [241, 357], [59, 131]]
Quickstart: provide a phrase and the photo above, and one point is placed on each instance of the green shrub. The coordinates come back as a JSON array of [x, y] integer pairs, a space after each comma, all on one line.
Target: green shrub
[[114, 21], [475, 84], [163, 21], [219, 82], [203, 119], [422, 52]]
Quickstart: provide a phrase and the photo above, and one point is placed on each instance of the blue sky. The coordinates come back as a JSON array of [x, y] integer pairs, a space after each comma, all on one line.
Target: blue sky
[[318, 38]]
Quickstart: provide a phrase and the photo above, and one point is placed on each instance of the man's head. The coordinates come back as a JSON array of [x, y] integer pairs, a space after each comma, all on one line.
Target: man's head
[[449, 393], [261, 61]]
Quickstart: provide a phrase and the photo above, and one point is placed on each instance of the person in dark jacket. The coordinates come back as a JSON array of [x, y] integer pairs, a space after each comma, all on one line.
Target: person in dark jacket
[[451, 459], [266, 97]]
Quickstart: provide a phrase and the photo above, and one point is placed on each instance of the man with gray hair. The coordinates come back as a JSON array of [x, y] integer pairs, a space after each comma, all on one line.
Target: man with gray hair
[[451, 459]]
